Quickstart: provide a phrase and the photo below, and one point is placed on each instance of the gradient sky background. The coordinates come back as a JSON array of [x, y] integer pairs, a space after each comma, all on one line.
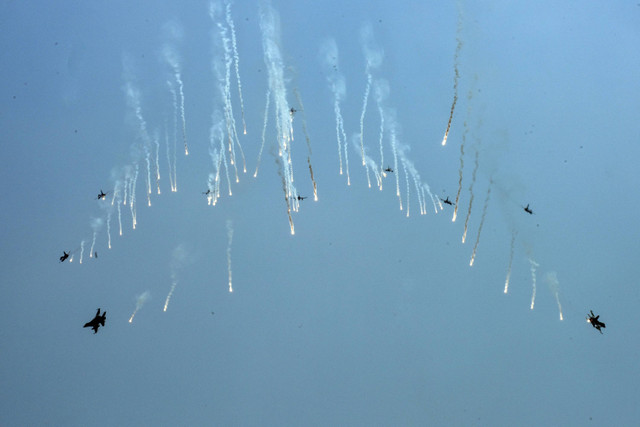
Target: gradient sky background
[[365, 316]]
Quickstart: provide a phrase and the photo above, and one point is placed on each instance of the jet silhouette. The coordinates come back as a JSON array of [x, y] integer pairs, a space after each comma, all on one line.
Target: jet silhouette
[[96, 322], [65, 256], [593, 319], [527, 210], [388, 169], [447, 201], [95, 254], [301, 198], [207, 192], [292, 111], [102, 194]]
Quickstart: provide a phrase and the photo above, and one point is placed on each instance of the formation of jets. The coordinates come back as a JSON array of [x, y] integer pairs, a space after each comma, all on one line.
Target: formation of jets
[[96, 322], [593, 319]]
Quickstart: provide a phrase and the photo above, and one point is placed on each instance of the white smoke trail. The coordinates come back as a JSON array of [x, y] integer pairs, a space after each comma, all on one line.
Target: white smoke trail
[[329, 59], [236, 60], [554, 285], [81, 251], [140, 300], [373, 56], [511, 251], [473, 181], [229, 240], [178, 260], [534, 266], [456, 76], [174, 33], [96, 225], [264, 131]]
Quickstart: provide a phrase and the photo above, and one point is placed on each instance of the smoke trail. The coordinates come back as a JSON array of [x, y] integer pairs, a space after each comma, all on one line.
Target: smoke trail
[[173, 60], [178, 259], [264, 131], [236, 60], [81, 251], [109, 227], [229, 240], [464, 139], [96, 224], [306, 135], [381, 89], [140, 300], [534, 266], [373, 56], [473, 181], [554, 285], [172, 167], [484, 214], [511, 251], [329, 58], [156, 140], [456, 75], [271, 42]]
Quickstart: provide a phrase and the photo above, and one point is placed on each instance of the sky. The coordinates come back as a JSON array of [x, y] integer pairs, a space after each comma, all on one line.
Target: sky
[[356, 305]]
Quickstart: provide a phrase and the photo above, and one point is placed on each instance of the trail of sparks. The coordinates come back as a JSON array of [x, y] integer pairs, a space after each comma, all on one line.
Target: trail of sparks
[[264, 130], [306, 135], [236, 60]]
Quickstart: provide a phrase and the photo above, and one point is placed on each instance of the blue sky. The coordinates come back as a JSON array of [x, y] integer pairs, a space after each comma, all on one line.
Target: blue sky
[[365, 316]]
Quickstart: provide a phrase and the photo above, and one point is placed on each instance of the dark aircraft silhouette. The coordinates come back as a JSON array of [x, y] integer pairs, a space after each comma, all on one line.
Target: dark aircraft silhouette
[[527, 210], [593, 319], [65, 256], [292, 111], [102, 194], [207, 192], [388, 169], [447, 201], [301, 198], [96, 322], [95, 254]]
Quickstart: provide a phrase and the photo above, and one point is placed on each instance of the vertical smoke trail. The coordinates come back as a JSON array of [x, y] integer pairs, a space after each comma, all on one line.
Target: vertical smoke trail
[[236, 60], [456, 75], [178, 259], [109, 227], [511, 251], [264, 131], [81, 251], [484, 214], [229, 240], [381, 90], [120, 218], [473, 181], [172, 165], [173, 60], [329, 58], [464, 138], [554, 285], [306, 135], [96, 224], [156, 140], [271, 43], [140, 300], [534, 266], [394, 150], [373, 55]]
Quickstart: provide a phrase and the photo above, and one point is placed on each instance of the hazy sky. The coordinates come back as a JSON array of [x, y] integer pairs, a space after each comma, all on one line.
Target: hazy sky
[[365, 316]]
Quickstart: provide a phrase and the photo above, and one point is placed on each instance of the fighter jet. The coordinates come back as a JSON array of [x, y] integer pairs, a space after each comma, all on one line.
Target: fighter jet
[[206, 193], [96, 322], [388, 169], [527, 210], [447, 201], [102, 194], [292, 111], [65, 256], [301, 198], [593, 319]]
